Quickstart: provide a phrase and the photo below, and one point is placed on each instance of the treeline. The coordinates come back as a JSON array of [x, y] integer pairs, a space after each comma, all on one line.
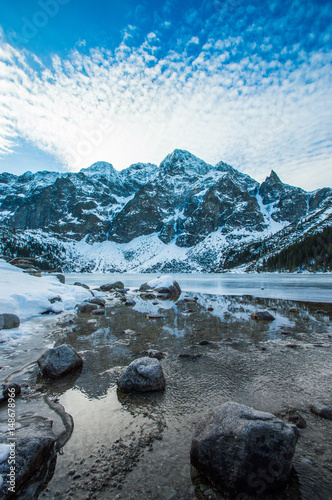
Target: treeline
[[14, 244], [314, 253]]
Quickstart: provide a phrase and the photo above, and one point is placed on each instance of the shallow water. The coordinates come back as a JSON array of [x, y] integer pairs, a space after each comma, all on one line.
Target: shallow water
[[137, 446]]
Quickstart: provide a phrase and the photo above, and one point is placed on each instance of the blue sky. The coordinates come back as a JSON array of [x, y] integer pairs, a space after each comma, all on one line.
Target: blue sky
[[246, 82]]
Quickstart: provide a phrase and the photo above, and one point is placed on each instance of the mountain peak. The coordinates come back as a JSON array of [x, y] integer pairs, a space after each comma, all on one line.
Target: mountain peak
[[273, 178], [183, 162], [101, 168]]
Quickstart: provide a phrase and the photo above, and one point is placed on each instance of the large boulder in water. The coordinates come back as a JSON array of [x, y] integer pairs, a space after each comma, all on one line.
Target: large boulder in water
[[164, 285], [143, 375], [242, 450], [57, 362]]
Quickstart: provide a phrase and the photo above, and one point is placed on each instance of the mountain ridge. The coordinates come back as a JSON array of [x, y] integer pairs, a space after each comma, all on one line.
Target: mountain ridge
[[200, 211]]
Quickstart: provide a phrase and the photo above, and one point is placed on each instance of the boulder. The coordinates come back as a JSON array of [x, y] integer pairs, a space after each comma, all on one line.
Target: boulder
[[86, 307], [99, 312], [111, 286], [242, 450], [32, 452], [77, 283], [57, 362], [321, 410], [143, 375], [97, 300], [165, 286], [262, 316], [8, 321]]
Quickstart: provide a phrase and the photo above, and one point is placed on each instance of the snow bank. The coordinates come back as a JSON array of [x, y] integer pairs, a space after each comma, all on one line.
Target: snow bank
[[28, 296]]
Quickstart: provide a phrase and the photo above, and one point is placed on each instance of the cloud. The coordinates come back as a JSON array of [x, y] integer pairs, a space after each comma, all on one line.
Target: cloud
[[253, 110]]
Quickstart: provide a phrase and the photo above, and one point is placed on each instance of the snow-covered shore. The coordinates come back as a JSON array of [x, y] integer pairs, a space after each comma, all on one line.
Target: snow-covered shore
[[28, 296]]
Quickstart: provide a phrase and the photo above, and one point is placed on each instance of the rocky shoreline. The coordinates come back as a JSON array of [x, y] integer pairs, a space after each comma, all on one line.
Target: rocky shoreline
[[212, 350]]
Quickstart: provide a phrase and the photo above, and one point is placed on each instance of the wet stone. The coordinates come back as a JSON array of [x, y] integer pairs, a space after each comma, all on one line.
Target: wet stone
[[143, 375], [233, 443], [262, 316], [321, 410], [294, 417]]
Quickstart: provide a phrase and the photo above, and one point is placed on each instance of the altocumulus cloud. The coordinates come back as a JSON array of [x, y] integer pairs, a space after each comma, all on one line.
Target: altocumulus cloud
[[138, 103]]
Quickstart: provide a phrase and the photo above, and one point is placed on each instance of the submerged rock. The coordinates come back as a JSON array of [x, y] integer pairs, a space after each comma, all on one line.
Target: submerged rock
[[8, 321], [262, 316], [154, 353], [57, 362], [143, 375], [242, 450], [32, 452], [294, 417], [321, 410]]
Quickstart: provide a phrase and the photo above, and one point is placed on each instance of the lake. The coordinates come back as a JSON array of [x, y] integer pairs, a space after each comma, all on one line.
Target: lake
[[302, 287]]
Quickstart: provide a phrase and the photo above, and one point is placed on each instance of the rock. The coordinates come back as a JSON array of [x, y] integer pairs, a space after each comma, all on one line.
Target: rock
[[143, 375], [77, 283], [154, 316], [60, 277], [191, 357], [210, 308], [242, 450], [153, 353], [7, 390], [98, 312], [86, 307], [111, 286], [55, 299], [33, 450], [322, 312], [294, 417], [97, 300], [294, 310], [205, 342], [165, 286], [262, 316], [57, 362], [321, 410], [130, 303], [8, 321]]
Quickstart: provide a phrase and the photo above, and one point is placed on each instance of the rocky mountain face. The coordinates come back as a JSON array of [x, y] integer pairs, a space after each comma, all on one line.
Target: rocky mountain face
[[181, 214]]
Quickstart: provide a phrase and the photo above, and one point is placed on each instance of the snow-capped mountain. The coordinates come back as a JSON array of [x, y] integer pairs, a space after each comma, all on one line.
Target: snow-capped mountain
[[183, 215]]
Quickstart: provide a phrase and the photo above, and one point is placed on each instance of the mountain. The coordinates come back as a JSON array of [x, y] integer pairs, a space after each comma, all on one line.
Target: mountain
[[181, 216]]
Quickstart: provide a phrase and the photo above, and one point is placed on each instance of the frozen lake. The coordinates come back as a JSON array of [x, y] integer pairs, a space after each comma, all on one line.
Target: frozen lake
[[302, 287]]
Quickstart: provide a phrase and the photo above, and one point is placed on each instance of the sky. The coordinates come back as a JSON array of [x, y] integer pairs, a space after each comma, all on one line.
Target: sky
[[247, 82]]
